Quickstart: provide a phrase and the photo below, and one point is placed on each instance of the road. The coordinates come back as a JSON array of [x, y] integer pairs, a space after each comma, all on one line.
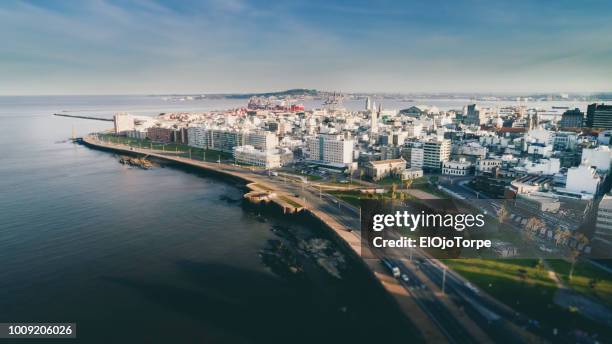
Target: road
[[346, 215], [432, 306], [493, 205]]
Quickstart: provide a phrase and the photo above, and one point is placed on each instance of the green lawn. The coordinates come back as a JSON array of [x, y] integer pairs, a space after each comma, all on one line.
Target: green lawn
[[388, 181], [183, 150], [355, 197], [525, 286], [586, 279], [351, 197]]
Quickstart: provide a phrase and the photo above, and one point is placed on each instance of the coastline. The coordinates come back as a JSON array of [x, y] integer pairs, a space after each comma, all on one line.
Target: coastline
[[254, 183]]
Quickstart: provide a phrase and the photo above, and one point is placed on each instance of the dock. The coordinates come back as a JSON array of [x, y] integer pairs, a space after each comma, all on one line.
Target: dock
[[84, 117]]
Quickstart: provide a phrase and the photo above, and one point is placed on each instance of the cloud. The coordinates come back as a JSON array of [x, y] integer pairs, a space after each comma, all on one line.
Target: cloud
[[223, 46]]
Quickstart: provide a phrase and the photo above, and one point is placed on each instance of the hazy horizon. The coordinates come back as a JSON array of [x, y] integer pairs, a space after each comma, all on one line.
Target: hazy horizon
[[108, 47]]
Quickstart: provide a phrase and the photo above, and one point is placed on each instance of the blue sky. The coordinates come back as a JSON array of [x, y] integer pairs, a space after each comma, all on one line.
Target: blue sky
[[142, 47]]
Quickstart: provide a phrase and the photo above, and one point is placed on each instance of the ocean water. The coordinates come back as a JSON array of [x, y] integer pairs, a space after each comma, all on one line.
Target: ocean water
[[163, 255]]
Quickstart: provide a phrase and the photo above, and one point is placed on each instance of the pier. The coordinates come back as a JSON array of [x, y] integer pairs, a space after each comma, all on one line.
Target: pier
[[84, 117]]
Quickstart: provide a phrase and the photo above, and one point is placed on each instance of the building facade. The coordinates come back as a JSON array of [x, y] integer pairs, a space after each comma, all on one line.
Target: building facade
[[332, 149], [572, 119], [376, 170], [457, 168], [603, 226], [249, 155], [435, 152], [599, 116]]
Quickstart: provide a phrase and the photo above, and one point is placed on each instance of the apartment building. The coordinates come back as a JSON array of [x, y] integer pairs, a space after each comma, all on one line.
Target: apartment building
[[333, 149], [249, 155], [435, 152]]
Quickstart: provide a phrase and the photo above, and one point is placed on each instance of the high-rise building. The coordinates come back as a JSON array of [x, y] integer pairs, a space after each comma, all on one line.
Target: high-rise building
[[472, 115], [571, 119], [368, 104], [123, 122], [262, 140], [603, 228], [226, 139], [330, 149], [599, 116], [435, 152], [416, 157]]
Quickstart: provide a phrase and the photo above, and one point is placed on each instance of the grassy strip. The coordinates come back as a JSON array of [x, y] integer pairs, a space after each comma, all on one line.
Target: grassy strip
[[196, 153], [524, 285], [586, 279]]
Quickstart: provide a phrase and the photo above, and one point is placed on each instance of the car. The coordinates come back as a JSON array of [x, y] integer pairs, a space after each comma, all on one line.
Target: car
[[405, 278]]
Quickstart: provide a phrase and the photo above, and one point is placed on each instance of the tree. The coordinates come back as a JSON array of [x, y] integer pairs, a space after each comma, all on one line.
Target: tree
[[561, 236], [361, 173], [408, 183], [581, 241], [532, 227], [393, 190], [503, 214]]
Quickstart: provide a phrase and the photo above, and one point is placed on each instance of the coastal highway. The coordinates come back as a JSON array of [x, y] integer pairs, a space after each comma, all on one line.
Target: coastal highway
[[346, 215], [426, 299], [495, 318], [431, 304]]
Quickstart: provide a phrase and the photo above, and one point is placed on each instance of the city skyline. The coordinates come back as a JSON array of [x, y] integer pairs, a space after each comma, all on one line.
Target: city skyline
[[138, 47]]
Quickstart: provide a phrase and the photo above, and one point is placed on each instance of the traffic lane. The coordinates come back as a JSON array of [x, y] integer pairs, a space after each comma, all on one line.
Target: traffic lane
[[434, 307]]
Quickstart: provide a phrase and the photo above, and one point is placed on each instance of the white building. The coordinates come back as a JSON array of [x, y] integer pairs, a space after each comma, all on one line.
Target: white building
[[487, 165], [540, 136], [470, 148], [603, 229], [380, 169], [456, 168], [226, 139], [582, 179], [249, 155], [412, 173], [330, 149], [196, 137], [599, 157], [539, 149], [413, 130], [543, 166], [123, 122], [262, 140], [435, 152], [416, 157]]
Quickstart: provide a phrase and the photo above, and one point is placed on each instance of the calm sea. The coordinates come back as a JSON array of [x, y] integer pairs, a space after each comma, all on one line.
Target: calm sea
[[163, 255]]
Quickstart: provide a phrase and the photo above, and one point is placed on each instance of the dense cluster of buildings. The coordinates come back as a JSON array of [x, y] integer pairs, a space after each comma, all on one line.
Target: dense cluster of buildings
[[509, 151]]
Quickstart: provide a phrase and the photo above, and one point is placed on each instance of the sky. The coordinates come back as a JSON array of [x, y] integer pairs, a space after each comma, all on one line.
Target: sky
[[234, 46]]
